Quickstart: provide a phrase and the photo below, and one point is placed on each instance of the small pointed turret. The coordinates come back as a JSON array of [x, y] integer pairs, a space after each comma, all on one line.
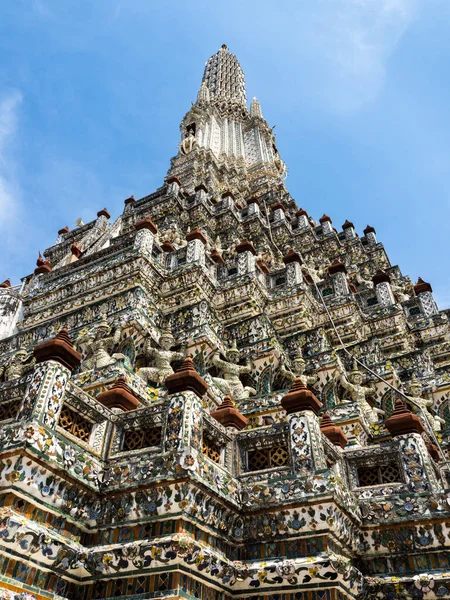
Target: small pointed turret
[[255, 108], [203, 93]]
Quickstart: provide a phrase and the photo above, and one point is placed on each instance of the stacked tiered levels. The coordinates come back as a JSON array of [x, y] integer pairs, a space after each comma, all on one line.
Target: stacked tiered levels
[[216, 397]]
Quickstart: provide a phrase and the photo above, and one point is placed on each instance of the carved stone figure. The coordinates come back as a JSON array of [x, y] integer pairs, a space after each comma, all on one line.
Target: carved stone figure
[[188, 143], [298, 371], [230, 383], [358, 392], [162, 359], [16, 366], [98, 346], [416, 391]]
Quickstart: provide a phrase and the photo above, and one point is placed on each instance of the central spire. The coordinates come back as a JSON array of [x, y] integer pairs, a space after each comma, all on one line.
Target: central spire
[[225, 78]]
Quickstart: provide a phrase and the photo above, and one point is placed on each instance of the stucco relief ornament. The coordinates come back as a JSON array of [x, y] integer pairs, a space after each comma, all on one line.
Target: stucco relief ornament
[[358, 392], [298, 370], [98, 346], [230, 383], [416, 391], [188, 143], [172, 235], [16, 366], [162, 359]]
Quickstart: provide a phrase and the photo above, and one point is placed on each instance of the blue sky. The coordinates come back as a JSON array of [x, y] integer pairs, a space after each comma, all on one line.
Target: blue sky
[[92, 94]]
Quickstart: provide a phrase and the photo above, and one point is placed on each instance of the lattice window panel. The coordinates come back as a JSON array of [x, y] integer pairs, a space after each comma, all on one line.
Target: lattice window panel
[[163, 582], [211, 450], [75, 423], [377, 475], [9, 410], [266, 458], [142, 438]]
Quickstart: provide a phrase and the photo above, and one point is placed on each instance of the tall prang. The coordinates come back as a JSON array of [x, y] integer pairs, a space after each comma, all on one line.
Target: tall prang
[[216, 396]]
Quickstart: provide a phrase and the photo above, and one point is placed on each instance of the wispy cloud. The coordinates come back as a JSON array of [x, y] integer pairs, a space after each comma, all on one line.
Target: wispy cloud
[[9, 187], [353, 40]]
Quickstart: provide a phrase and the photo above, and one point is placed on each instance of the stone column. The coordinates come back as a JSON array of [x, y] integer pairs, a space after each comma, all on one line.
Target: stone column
[[302, 219], [145, 232], [129, 204], [278, 212], [382, 283], [103, 217], [55, 361], [196, 246], [370, 234], [10, 309], [227, 199], [327, 227], [201, 193], [337, 271], [173, 186], [424, 292], [184, 424], [349, 230], [406, 428], [305, 437], [246, 257], [293, 261], [253, 206]]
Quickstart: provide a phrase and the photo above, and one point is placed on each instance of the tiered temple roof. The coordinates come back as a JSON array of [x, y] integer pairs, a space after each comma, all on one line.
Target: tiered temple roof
[[216, 396]]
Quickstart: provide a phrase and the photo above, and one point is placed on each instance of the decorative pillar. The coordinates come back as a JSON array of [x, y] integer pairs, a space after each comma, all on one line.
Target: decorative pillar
[[302, 408], [10, 309], [325, 221], [201, 193], [173, 186], [55, 361], [253, 206], [278, 212], [337, 271], [145, 232], [246, 257], [424, 292], [417, 465], [103, 217], [186, 389], [349, 230], [196, 246], [302, 219], [382, 283], [227, 199], [371, 237], [293, 261], [129, 203]]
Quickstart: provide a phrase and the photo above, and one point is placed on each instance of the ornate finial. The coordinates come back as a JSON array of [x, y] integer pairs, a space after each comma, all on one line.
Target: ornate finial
[[59, 349], [332, 431], [119, 395], [228, 415], [186, 379], [299, 398], [403, 421]]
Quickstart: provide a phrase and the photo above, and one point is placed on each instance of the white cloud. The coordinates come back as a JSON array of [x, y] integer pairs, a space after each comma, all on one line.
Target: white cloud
[[353, 39], [9, 189]]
